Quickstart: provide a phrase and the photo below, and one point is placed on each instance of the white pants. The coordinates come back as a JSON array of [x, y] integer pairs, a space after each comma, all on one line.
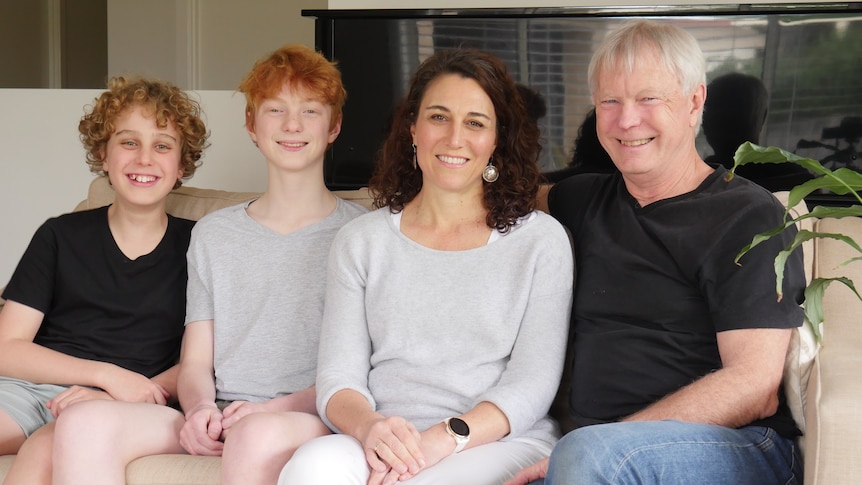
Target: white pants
[[340, 460]]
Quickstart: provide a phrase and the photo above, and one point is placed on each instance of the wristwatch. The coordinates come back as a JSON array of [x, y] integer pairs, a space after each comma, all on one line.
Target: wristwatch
[[458, 429]]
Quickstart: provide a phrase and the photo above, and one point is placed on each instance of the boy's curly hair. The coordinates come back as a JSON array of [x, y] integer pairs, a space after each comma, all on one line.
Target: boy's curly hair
[[167, 102]]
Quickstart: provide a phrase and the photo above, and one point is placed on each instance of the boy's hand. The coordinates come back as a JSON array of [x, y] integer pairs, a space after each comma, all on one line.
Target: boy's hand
[[129, 386], [238, 410], [74, 395], [202, 431]]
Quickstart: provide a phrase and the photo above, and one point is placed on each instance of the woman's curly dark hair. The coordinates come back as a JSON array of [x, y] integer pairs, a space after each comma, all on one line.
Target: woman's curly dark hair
[[395, 182], [168, 104]]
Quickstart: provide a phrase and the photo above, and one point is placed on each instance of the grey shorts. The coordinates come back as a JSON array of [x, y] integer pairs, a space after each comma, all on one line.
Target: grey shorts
[[222, 403], [25, 402]]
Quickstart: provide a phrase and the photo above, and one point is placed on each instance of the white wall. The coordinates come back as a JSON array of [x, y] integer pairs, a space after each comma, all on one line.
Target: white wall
[[144, 39], [202, 44], [235, 34], [42, 160]]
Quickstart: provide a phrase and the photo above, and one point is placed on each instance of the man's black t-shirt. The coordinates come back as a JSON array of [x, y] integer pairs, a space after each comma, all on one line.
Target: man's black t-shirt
[[656, 283]]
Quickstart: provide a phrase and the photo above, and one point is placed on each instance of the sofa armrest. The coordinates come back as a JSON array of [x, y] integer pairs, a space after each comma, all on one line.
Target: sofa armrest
[[833, 416]]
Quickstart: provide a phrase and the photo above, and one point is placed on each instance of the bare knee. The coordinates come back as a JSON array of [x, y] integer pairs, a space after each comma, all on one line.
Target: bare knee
[[86, 418], [254, 434], [272, 434]]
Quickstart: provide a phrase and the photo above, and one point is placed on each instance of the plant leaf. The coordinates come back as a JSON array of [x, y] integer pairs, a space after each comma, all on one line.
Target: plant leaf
[[841, 181], [818, 212], [761, 237], [813, 306], [834, 235], [823, 212], [801, 236], [845, 263], [814, 301], [750, 153]]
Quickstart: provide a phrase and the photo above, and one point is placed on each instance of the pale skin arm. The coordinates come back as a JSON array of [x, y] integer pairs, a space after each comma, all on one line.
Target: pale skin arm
[[196, 388], [743, 390], [74, 394], [21, 358], [487, 424], [404, 451], [168, 380]]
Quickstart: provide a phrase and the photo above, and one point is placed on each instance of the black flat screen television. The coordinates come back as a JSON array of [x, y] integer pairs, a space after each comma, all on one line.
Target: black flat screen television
[[809, 56]]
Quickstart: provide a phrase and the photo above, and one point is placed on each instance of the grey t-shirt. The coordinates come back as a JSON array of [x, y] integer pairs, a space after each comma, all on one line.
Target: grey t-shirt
[[264, 291], [427, 334]]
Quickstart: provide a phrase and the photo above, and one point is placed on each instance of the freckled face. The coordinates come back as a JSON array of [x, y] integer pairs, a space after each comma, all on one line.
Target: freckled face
[[142, 160], [643, 119], [455, 134], [292, 130]]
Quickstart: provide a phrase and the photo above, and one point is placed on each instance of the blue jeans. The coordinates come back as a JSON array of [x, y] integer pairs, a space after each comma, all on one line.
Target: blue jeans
[[673, 452]]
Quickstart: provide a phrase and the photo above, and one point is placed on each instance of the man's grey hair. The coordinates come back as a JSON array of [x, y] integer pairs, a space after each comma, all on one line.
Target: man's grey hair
[[625, 46]]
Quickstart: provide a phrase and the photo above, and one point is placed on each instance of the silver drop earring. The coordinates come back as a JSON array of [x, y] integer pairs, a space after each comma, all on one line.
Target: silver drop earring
[[415, 163], [490, 174]]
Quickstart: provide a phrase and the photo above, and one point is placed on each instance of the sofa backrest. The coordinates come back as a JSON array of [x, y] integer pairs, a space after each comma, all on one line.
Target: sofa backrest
[[194, 203]]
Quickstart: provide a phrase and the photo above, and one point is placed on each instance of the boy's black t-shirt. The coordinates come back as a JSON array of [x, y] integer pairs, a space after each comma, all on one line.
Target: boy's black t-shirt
[[99, 304]]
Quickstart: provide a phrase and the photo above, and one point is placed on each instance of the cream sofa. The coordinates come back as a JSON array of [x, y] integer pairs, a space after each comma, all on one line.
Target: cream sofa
[[831, 397]]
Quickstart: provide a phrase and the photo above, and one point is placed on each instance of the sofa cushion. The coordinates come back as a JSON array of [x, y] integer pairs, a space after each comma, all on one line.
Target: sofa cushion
[[159, 470], [174, 470]]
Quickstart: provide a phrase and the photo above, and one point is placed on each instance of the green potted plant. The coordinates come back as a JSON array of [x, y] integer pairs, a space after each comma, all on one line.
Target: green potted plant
[[842, 181]]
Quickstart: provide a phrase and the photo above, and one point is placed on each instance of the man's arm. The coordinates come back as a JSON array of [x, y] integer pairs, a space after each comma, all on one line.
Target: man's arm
[[743, 390]]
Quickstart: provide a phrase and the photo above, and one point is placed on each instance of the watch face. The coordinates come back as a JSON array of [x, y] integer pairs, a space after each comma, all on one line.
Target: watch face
[[459, 427]]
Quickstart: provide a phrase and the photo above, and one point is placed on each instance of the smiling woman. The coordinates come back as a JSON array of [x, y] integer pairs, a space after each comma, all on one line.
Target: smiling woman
[[460, 261], [467, 105], [455, 135]]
